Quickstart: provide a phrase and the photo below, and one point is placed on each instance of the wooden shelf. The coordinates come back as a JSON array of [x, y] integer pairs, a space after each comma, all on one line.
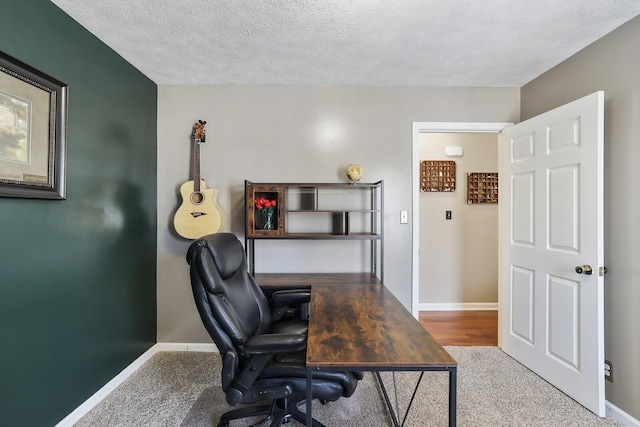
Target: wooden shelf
[[331, 210], [318, 211], [322, 236], [437, 175], [482, 187]]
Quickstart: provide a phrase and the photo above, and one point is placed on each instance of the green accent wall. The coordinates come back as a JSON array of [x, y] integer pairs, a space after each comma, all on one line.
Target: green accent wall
[[78, 276]]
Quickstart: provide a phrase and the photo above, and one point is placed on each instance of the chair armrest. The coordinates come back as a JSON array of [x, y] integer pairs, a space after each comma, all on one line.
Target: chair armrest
[[275, 343], [290, 297]]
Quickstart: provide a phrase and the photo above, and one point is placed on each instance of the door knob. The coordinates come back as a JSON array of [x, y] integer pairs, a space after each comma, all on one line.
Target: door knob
[[584, 269]]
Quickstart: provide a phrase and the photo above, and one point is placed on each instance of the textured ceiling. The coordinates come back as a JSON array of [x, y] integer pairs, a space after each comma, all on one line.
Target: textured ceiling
[[465, 43]]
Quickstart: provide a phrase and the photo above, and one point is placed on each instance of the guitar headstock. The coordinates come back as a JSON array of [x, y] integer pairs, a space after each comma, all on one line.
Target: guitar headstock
[[198, 131]]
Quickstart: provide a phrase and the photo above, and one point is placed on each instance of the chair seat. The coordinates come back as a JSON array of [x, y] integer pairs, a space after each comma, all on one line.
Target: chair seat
[[290, 327], [292, 367], [323, 390]]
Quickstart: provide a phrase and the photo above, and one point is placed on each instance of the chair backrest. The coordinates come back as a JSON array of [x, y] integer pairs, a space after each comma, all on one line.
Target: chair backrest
[[230, 302]]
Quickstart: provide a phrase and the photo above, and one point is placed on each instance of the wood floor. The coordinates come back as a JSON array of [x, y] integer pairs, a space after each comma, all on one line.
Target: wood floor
[[463, 328]]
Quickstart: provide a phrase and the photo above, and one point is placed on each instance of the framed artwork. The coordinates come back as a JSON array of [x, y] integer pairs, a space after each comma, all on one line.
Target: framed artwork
[[437, 175], [33, 132], [482, 187]]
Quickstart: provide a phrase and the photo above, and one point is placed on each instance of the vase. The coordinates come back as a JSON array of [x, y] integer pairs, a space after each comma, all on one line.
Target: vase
[[267, 218]]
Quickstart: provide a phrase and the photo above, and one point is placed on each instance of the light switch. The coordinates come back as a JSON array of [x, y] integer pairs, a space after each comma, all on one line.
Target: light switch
[[404, 217]]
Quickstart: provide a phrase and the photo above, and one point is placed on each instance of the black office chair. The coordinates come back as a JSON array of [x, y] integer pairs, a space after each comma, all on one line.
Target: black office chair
[[262, 361]]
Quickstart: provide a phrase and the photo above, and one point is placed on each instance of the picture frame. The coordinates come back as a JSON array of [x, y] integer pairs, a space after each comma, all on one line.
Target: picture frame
[[33, 132], [437, 175]]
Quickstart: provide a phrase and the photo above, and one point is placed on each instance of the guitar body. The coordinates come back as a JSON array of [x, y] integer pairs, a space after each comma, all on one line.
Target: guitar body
[[199, 213]]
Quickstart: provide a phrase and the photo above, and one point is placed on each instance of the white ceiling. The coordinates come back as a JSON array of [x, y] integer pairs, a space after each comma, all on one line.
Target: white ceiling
[[464, 43]]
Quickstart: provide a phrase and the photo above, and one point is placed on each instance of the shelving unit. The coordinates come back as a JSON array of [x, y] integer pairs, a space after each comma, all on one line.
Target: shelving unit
[[437, 175], [482, 187], [316, 211]]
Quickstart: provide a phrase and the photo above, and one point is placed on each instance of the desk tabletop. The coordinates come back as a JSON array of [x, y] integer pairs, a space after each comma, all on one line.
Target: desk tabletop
[[270, 281], [356, 322]]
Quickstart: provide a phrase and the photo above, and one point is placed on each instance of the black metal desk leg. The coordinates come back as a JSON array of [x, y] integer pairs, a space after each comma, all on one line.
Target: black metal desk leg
[[309, 397], [453, 374], [392, 413]]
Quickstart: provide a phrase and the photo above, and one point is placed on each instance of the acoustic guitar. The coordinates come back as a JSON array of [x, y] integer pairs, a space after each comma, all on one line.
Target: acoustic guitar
[[199, 213]]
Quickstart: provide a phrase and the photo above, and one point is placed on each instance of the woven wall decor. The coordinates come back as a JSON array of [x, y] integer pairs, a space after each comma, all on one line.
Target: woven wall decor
[[437, 175], [482, 187]]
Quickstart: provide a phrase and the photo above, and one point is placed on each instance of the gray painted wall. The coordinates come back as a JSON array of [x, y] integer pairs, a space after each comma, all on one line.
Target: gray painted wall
[[298, 134], [611, 64]]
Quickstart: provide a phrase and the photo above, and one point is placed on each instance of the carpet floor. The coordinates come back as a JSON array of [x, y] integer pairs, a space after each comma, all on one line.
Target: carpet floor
[[183, 389]]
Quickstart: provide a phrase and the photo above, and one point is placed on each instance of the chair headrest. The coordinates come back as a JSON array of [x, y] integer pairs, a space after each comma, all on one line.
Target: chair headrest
[[226, 250]]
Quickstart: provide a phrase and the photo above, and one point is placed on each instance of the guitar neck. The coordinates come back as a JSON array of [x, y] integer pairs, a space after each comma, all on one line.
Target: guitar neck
[[196, 166], [198, 138]]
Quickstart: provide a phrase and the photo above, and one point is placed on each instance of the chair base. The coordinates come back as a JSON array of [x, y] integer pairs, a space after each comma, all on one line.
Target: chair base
[[279, 411]]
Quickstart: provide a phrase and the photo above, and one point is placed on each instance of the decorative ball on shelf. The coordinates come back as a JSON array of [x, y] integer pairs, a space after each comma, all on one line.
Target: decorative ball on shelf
[[354, 172]]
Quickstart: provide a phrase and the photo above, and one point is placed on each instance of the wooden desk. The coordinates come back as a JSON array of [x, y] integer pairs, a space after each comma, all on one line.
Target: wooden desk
[[362, 326], [274, 281]]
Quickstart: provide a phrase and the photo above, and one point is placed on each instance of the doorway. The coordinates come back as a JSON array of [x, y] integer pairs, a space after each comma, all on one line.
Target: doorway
[[418, 129], [550, 305], [458, 239], [459, 242]]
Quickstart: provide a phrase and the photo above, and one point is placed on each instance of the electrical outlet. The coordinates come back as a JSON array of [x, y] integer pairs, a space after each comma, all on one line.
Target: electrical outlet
[[447, 215], [608, 370]]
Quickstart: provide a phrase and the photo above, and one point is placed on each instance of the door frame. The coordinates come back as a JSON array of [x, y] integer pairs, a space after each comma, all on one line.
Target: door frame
[[432, 127]]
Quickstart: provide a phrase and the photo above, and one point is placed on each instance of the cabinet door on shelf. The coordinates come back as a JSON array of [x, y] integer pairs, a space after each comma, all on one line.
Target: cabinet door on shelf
[[265, 210]]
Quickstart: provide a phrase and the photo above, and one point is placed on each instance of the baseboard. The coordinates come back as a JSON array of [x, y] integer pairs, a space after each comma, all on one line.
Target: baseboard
[[453, 306], [97, 397], [172, 346], [615, 413]]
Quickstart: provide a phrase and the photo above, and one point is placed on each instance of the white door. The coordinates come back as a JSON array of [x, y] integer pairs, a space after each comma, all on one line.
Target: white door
[[551, 204]]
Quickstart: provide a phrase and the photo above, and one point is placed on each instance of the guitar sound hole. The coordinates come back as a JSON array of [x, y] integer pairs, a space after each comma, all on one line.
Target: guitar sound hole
[[197, 198]]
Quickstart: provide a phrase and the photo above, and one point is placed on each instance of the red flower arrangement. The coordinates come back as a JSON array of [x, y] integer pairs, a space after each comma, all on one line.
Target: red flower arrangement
[[267, 207], [262, 203]]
